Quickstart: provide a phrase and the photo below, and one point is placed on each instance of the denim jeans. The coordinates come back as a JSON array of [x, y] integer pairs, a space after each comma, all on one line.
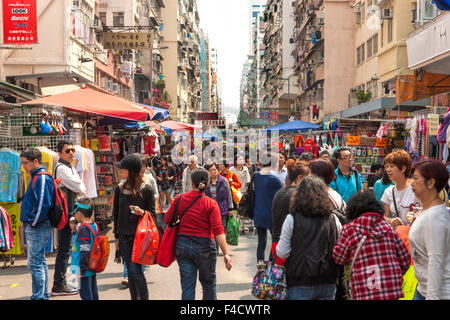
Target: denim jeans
[[317, 292], [136, 278], [88, 288], [418, 296], [262, 243], [196, 254], [65, 237], [125, 270], [37, 238]]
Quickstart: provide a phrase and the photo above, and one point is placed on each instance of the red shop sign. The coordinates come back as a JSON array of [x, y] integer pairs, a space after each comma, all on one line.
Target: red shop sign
[[19, 21]]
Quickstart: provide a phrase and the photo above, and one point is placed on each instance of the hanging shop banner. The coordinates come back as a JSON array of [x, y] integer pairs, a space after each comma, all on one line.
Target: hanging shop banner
[[381, 143], [433, 124], [19, 21], [130, 40], [217, 123], [207, 116], [353, 140]]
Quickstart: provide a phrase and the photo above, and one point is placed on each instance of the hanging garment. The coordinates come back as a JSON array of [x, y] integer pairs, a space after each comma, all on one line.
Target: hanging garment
[[89, 177], [7, 230], [9, 175]]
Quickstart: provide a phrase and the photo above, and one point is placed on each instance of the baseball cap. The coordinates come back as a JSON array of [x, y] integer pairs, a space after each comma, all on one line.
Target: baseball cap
[[131, 162]]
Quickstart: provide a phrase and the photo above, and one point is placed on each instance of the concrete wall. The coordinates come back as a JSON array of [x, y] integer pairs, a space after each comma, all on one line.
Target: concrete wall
[[339, 35]]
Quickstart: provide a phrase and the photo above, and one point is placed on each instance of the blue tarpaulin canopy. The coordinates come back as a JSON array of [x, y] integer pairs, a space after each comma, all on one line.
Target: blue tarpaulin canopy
[[442, 4], [296, 125]]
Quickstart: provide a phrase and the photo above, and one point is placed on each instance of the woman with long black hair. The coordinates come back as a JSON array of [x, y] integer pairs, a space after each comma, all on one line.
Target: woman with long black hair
[[132, 198]]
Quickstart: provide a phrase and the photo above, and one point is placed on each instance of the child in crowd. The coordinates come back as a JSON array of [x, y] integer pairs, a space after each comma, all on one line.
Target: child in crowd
[[81, 251]]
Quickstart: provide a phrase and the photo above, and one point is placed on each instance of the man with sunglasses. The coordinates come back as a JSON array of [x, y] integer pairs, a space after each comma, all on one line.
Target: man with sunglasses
[[73, 187]]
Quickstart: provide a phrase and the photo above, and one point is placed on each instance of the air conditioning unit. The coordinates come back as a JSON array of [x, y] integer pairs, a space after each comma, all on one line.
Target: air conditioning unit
[[353, 90], [97, 25], [76, 4], [386, 14]]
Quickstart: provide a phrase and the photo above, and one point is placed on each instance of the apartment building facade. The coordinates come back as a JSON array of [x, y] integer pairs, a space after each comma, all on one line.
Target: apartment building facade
[[181, 59], [276, 90], [324, 64], [64, 57]]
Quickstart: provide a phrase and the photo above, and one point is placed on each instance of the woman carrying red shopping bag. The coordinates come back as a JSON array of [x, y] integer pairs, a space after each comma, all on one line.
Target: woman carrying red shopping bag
[[196, 221], [132, 198]]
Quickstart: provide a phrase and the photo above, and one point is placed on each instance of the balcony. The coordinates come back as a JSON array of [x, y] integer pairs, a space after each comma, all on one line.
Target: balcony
[[428, 47]]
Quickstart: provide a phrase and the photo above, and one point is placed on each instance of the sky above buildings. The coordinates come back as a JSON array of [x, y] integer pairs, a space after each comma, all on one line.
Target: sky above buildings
[[226, 22]]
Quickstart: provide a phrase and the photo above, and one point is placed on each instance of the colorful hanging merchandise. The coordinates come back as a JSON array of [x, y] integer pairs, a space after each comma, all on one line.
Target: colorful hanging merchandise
[[9, 175], [6, 233]]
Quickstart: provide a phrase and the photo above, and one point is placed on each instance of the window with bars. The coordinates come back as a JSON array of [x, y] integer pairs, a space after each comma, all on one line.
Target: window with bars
[[118, 19]]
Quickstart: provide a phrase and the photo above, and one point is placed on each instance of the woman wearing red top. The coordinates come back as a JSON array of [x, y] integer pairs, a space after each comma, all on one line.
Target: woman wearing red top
[[195, 245]]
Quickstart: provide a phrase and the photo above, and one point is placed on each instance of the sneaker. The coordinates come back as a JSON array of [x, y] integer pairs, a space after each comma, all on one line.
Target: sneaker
[[125, 282], [63, 290]]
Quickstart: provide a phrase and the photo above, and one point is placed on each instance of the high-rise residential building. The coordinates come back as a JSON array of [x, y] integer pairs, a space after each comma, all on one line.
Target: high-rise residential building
[[257, 8], [277, 93], [215, 96], [181, 60], [324, 66]]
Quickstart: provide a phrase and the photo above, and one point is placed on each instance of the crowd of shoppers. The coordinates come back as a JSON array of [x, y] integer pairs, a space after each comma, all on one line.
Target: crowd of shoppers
[[319, 214]]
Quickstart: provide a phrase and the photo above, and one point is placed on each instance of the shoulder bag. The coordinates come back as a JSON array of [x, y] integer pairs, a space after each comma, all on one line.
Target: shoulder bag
[[245, 208], [166, 252], [396, 215], [358, 249]]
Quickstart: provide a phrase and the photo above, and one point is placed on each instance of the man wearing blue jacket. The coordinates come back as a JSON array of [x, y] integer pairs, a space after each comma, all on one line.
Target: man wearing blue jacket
[[36, 203], [348, 180]]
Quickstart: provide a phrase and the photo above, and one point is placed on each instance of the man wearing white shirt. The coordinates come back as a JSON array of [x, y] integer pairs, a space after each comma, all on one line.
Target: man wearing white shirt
[[186, 180], [281, 173], [73, 187]]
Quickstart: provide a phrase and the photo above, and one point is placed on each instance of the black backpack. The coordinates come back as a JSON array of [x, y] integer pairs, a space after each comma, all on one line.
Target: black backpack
[[246, 204]]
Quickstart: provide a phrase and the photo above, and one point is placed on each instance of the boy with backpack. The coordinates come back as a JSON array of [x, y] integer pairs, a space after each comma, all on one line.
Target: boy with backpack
[[84, 243]]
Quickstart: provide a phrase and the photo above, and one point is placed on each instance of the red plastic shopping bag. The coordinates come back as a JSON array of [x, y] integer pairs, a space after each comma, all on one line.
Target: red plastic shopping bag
[[146, 241]]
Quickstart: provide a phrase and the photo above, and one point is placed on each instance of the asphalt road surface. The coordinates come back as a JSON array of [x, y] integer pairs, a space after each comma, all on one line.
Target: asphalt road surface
[[163, 283]]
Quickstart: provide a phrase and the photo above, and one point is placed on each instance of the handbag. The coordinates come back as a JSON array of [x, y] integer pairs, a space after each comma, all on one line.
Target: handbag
[[245, 208], [269, 282], [237, 194], [166, 252], [165, 185]]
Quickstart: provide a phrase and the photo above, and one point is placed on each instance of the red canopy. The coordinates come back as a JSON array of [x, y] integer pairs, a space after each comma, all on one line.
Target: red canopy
[[178, 126], [94, 101]]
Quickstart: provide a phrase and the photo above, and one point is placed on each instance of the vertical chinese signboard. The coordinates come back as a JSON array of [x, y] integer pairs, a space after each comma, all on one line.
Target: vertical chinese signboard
[[19, 21]]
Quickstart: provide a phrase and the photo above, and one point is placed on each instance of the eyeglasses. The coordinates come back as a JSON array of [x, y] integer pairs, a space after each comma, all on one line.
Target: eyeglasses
[[70, 150]]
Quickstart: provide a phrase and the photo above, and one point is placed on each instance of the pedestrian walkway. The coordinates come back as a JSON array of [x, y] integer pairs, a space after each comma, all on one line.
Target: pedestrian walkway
[[163, 283]]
